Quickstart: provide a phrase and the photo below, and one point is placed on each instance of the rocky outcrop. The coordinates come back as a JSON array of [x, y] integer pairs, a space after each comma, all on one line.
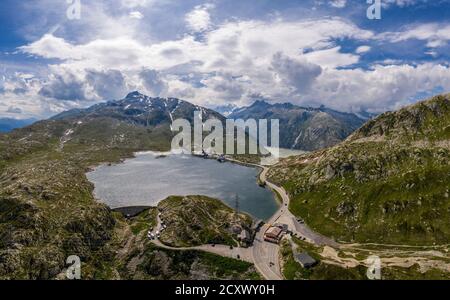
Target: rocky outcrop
[[386, 183]]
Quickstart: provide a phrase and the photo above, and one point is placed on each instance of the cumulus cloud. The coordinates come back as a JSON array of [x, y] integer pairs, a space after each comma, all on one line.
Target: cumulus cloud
[[153, 83], [362, 49], [244, 49], [338, 3], [299, 74], [64, 86], [300, 61], [435, 34], [225, 86], [14, 110], [136, 3], [69, 84], [401, 3], [199, 19], [136, 15], [379, 89], [109, 84]]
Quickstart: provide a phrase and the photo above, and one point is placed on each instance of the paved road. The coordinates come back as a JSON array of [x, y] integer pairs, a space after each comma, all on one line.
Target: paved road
[[265, 255], [244, 254], [286, 217]]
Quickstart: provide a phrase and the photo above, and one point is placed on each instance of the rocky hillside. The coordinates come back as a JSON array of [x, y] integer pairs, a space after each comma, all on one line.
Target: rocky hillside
[[303, 128], [198, 220], [387, 183], [139, 258], [47, 208]]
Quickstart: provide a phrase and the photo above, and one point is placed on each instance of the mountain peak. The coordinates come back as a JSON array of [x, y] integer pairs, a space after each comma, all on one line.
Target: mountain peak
[[135, 94], [260, 103]]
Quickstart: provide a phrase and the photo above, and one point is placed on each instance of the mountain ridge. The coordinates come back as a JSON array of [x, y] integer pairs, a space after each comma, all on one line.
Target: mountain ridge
[[9, 124], [303, 128], [386, 183]]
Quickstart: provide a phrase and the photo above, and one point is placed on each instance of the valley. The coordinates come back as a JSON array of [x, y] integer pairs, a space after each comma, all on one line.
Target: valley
[[383, 191]]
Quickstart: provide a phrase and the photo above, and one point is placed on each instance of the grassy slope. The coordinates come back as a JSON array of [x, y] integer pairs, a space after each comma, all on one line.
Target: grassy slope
[[47, 209], [388, 183]]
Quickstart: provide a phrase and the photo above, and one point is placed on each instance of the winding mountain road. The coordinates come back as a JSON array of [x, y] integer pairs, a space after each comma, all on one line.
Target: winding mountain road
[[267, 255], [264, 255]]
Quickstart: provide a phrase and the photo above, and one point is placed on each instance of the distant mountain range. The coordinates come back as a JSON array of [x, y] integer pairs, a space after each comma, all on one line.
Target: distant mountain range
[[303, 128], [8, 124], [300, 128], [226, 110]]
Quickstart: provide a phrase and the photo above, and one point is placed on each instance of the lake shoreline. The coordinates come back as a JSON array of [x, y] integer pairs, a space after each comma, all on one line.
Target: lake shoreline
[[217, 186]]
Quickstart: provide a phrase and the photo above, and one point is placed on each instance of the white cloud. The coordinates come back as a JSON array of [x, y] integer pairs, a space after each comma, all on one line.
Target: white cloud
[[152, 82], [338, 3], [232, 46], [435, 34], [297, 61], [401, 3], [332, 58], [299, 74], [199, 19], [136, 15], [136, 3], [382, 88], [14, 110], [362, 49], [108, 84], [64, 86]]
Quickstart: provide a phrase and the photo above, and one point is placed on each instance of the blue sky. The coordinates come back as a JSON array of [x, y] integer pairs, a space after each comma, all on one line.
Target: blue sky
[[217, 52]]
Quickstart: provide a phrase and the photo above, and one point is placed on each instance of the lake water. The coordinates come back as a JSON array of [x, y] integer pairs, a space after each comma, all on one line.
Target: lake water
[[147, 179]]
